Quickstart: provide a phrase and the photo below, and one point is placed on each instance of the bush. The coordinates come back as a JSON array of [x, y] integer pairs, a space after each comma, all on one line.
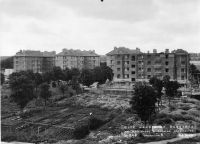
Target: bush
[[95, 123], [164, 121], [81, 132], [185, 107], [172, 108]]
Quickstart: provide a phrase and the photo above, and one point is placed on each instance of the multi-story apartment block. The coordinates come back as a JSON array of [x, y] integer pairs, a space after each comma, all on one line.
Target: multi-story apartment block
[[35, 61], [77, 59], [133, 65]]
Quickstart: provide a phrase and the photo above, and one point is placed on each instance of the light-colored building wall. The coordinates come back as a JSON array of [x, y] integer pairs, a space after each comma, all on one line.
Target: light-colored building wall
[[77, 59], [35, 61], [133, 65]]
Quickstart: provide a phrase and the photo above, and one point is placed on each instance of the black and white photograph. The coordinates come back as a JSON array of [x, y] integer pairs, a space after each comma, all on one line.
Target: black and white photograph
[[100, 71]]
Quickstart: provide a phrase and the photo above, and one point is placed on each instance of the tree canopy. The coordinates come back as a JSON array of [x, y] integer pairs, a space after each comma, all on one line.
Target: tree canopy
[[143, 101]]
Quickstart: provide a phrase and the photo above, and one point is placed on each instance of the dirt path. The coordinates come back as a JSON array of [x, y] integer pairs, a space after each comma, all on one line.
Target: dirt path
[[170, 140]]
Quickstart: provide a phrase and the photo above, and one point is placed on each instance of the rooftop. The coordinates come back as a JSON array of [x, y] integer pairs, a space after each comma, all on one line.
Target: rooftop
[[123, 50], [35, 53], [71, 52]]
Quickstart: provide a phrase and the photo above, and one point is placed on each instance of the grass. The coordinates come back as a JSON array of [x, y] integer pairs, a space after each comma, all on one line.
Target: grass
[[193, 140]]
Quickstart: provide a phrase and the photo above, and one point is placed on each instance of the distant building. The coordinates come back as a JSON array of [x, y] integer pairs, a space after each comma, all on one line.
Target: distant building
[[103, 61], [133, 65], [77, 59], [35, 61]]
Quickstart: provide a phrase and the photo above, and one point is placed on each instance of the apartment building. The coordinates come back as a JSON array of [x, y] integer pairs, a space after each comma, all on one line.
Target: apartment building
[[69, 58], [133, 65], [35, 61]]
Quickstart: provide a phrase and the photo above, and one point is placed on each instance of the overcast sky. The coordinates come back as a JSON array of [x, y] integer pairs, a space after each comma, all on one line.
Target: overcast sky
[[49, 25]]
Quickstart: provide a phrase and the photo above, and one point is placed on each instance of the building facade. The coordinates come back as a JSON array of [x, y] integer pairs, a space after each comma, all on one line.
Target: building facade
[[77, 59], [133, 65], [36, 61]]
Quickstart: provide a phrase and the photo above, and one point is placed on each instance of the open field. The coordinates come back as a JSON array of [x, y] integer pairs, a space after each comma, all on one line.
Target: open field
[[68, 119]]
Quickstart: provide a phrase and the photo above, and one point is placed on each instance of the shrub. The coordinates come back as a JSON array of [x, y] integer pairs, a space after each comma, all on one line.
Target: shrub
[[95, 123], [163, 121], [81, 131], [172, 107], [185, 107]]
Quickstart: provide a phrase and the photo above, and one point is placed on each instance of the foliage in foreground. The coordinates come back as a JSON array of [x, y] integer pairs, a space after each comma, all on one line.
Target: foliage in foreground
[[143, 101]]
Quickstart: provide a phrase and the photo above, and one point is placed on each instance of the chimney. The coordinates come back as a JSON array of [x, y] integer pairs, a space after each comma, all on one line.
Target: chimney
[[148, 52], [154, 50], [166, 50], [137, 49]]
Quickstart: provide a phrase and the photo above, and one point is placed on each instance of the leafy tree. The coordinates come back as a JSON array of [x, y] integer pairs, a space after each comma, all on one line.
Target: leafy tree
[[58, 73], [37, 80], [99, 75], [63, 87], [194, 74], [86, 77], [2, 78], [7, 63], [75, 84], [157, 85], [45, 93], [108, 72], [171, 88], [22, 89], [47, 77], [67, 74], [75, 72], [143, 101]]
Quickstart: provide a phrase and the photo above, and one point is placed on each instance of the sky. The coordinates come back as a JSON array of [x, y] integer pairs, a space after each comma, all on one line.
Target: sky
[[51, 25]]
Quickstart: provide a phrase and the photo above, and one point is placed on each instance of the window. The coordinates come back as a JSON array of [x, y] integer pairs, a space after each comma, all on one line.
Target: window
[[133, 79], [149, 69], [140, 68], [118, 56], [118, 69], [133, 66], [118, 76], [127, 62], [133, 58], [182, 70], [166, 63], [149, 62], [118, 62], [149, 76], [133, 72], [183, 62], [126, 69], [127, 76], [166, 56], [182, 77], [166, 70]]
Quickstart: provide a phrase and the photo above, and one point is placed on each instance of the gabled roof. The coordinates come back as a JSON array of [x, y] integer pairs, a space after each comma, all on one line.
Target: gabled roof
[[179, 51], [35, 53], [72, 52], [123, 50]]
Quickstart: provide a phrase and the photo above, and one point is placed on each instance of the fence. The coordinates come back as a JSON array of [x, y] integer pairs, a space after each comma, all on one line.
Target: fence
[[28, 130]]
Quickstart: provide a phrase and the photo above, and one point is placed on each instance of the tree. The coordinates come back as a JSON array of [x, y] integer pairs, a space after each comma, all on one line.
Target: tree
[[75, 72], [2, 78], [44, 92], [171, 88], [75, 84], [22, 89], [86, 77], [158, 86], [63, 87], [58, 73], [67, 74], [194, 74], [143, 101], [37, 80], [108, 72], [7, 63]]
